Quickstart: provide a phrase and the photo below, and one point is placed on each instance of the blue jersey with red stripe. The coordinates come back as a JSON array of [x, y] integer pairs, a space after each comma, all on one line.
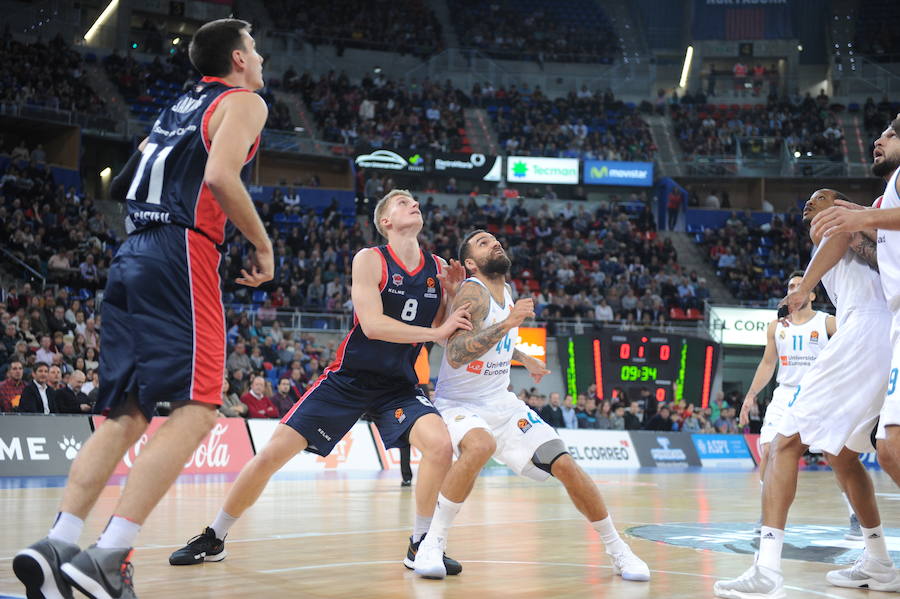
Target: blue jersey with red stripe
[[412, 297], [168, 185]]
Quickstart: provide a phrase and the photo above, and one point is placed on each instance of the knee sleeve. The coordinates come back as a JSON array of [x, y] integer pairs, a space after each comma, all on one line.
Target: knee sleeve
[[549, 452]]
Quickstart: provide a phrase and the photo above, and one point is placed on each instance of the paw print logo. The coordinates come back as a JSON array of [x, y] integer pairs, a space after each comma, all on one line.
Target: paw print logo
[[70, 446]]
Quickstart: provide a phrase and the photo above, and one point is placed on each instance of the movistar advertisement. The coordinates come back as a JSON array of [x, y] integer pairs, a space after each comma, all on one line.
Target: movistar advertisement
[[393, 160], [529, 169], [604, 172]]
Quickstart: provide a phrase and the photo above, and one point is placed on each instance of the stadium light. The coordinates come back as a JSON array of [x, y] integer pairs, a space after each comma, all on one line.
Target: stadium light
[[686, 69], [101, 20], [105, 173]]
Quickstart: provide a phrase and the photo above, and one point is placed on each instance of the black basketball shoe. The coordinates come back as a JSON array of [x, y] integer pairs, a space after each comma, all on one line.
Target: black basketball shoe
[[453, 566], [205, 547]]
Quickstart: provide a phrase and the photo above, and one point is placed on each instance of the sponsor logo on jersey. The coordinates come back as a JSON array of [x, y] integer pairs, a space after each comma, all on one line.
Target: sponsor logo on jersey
[[475, 367], [814, 338], [431, 285], [399, 415], [784, 361], [524, 425], [397, 279], [188, 104]]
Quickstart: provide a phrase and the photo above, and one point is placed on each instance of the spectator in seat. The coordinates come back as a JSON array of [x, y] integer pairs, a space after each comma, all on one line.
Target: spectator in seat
[[46, 352], [239, 360], [617, 419], [70, 398], [38, 397], [570, 418], [661, 421], [55, 377], [232, 406], [11, 388], [726, 424], [633, 417], [284, 398], [588, 417], [604, 416], [552, 413], [258, 405]]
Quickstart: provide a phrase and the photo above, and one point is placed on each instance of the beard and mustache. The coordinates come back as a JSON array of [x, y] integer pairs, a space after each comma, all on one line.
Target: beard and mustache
[[885, 167], [495, 266]]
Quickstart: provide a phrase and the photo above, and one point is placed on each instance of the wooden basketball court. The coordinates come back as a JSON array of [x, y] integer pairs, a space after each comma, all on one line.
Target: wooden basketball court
[[345, 536]]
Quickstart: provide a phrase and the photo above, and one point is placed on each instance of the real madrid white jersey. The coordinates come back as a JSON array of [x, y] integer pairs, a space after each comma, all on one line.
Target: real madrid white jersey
[[484, 380], [798, 347], [853, 286], [889, 247]]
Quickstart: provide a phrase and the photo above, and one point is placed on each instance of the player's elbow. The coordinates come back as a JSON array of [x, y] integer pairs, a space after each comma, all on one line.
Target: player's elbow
[[370, 328], [217, 178]]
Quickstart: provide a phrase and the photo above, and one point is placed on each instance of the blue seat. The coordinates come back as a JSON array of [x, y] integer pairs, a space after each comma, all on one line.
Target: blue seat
[[259, 296]]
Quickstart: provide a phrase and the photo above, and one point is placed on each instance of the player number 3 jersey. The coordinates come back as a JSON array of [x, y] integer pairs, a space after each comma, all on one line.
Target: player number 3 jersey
[[798, 347], [484, 380]]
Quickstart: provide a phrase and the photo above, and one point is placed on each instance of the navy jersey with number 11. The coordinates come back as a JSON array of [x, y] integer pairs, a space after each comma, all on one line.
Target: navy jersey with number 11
[[412, 297], [168, 186]]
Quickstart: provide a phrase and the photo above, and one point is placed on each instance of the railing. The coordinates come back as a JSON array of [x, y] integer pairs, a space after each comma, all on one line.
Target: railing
[[857, 76], [35, 275], [98, 123]]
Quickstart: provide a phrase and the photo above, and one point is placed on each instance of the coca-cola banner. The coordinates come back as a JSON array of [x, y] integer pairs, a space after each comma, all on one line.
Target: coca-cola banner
[[225, 449], [355, 451]]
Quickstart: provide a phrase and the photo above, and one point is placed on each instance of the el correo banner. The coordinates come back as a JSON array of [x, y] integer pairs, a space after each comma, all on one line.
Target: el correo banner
[[528, 169], [740, 326], [604, 172]]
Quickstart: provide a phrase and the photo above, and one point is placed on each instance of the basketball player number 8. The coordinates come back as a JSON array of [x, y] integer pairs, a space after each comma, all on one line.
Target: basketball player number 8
[[892, 382], [409, 310]]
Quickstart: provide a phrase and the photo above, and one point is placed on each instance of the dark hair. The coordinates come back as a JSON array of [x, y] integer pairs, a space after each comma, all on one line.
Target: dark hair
[[464, 249], [796, 273], [210, 50], [39, 364]]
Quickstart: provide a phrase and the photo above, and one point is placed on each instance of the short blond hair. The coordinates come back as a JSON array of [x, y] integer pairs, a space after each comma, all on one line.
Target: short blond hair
[[382, 206]]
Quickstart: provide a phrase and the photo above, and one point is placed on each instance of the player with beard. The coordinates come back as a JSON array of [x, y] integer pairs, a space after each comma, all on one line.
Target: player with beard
[[847, 385], [485, 419], [882, 224]]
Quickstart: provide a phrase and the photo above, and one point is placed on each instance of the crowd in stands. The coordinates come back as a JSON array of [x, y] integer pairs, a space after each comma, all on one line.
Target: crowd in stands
[[641, 413], [876, 116], [562, 31], [875, 35], [806, 125], [584, 124], [47, 74], [379, 112], [404, 26]]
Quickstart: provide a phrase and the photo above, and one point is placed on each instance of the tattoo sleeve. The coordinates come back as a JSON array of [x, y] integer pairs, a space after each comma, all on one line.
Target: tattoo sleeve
[[520, 355], [865, 248], [465, 346]]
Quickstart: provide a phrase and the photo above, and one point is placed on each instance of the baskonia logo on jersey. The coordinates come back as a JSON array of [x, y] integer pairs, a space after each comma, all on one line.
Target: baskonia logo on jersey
[[397, 279], [814, 338], [399, 415], [524, 425]]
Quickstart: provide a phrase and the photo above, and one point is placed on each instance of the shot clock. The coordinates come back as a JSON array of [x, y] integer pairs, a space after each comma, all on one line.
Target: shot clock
[[673, 367]]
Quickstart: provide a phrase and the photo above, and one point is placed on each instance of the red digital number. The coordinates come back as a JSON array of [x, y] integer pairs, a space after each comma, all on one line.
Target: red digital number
[[625, 351], [664, 352], [660, 394], [641, 351]]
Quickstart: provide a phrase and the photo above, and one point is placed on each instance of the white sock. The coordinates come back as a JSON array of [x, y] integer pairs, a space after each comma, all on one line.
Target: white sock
[[770, 542], [222, 524], [444, 513], [420, 527], [849, 505], [875, 545], [120, 533], [609, 535], [67, 528]]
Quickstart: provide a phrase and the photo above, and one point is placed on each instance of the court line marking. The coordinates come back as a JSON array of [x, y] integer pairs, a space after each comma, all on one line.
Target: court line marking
[[522, 563]]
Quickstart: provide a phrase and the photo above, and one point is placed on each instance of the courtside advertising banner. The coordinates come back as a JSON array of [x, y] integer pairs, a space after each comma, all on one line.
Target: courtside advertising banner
[[529, 169], [665, 449], [605, 172], [600, 449], [224, 450], [723, 451], [354, 452], [532, 342], [753, 445], [390, 458], [740, 326], [41, 445], [468, 166]]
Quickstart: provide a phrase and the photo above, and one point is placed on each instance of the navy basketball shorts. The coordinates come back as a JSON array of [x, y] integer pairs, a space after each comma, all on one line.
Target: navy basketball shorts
[[336, 400], [163, 321]]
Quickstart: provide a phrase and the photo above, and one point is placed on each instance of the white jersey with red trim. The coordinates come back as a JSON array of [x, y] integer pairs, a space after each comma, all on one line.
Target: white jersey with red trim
[[889, 248], [483, 382], [798, 347]]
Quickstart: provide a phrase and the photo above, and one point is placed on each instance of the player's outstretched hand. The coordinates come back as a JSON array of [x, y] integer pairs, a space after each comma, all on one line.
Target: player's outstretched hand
[[523, 310], [744, 418], [536, 368], [838, 219], [795, 300], [458, 319], [262, 268], [451, 277]]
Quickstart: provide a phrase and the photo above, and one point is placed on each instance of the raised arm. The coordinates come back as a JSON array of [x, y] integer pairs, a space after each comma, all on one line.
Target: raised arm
[[366, 295], [763, 375]]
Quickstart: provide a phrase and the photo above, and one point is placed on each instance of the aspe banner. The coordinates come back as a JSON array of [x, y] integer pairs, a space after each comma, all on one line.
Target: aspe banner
[[354, 452], [600, 449], [529, 169], [41, 445], [468, 166], [665, 449], [224, 450], [723, 450], [604, 172]]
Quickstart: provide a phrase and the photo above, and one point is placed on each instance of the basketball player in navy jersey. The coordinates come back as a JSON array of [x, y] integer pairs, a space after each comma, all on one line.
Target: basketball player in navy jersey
[[163, 322], [399, 295]]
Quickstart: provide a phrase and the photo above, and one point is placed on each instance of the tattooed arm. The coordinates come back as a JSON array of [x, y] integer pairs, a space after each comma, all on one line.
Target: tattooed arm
[[865, 247], [465, 346], [535, 367]]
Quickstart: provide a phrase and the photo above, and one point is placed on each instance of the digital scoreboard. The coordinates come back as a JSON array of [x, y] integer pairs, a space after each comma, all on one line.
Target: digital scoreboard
[[673, 367]]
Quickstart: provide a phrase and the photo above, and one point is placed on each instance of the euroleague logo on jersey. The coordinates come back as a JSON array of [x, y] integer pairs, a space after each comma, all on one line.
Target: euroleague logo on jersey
[[431, 287], [523, 425], [397, 279], [814, 338]]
